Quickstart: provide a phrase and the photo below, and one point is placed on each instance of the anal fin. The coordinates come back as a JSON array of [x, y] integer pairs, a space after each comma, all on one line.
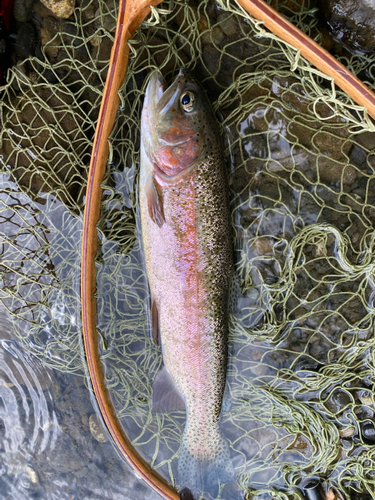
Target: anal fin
[[154, 201], [166, 397]]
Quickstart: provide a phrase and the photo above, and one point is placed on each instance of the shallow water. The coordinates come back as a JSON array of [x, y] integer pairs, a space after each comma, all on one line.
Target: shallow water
[[53, 444], [47, 448]]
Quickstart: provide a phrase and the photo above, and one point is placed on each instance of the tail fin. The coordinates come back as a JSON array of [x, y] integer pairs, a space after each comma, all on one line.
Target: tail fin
[[203, 474]]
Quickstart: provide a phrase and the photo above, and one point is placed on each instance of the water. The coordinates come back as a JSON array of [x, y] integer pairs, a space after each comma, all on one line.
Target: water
[[47, 449], [52, 442]]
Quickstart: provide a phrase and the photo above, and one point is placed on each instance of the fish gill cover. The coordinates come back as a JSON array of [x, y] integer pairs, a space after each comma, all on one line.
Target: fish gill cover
[[301, 170]]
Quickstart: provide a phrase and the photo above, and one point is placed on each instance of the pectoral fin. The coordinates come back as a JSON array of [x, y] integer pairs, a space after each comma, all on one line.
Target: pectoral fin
[[154, 201], [165, 397]]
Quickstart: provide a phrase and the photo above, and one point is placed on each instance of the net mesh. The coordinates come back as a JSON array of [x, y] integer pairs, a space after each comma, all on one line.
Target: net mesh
[[300, 158]]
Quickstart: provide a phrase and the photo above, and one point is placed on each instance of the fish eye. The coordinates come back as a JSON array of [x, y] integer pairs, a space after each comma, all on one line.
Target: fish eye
[[187, 101]]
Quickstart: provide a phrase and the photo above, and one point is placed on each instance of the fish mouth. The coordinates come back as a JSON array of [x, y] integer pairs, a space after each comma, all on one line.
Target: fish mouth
[[155, 89], [158, 98]]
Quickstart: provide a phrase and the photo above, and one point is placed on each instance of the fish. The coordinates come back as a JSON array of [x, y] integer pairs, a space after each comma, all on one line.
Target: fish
[[186, 240]]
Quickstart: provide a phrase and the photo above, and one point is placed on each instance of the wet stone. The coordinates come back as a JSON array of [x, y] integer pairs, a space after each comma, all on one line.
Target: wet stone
[[26, 40], [259, 370], [88, 9], [319, 350], [48, 33], [368, 431], [26, 485], [338, 401], [262, 246], [211, 59], [367, 140], [348, 432], [32, 475], [358, 155], [61, 8], [331, 172], [96, 429], [256, 354], [214, 36], [81, 473], [101, 52], [365, 397], [107, 18], [229, 24], [85, 420], [22, 10], [183, 23], [351, 22]]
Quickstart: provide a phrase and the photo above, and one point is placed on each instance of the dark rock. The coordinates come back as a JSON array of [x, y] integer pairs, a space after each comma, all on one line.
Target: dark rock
[[229, 24], [331, 172], [211, 59], [338, 401], [107, 18], [214, 36], [101, 53], [368, 431], [88, 9], [49, 36], [350, 22], [22, 10], [367, 140], [24, 45], [312, 489]]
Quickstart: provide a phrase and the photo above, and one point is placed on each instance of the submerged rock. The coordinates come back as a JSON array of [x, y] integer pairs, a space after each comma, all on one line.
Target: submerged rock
[[351, 22], [96, 429], [22, 10], [368, 431], [32, 475]]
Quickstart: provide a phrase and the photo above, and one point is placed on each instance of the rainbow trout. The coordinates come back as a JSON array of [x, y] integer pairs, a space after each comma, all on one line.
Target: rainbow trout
[[187, 246]]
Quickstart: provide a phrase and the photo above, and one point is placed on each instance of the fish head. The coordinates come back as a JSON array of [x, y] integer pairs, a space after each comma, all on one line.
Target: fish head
[[177, 123]]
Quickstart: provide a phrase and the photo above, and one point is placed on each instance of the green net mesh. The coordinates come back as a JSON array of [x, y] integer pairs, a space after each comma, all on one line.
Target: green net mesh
[[301, 171]]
